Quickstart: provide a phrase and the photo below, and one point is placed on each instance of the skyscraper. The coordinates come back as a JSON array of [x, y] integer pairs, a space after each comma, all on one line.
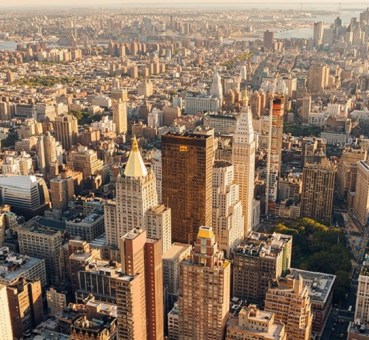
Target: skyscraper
[[159, 225], [66, 130], [318, 33], [140, 288], [361, 199], [227, 208], [243, 72], [216, 90], [268, 40], [154, 289], [61, 191], [6, 332], [317, 191], [135, 195], [289, 300], [131, 287], [41, 161], [274, 152], [187, 161], [243, 159], [204, 290], [277, 105], [120, 116], [318, 78]]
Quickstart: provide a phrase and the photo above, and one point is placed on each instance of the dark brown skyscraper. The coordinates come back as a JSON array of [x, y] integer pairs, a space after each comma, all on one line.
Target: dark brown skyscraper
[[187, 161], [318, 191]]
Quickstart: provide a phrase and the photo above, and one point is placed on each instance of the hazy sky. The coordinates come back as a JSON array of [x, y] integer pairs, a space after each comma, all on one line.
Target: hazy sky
[[102, 3]]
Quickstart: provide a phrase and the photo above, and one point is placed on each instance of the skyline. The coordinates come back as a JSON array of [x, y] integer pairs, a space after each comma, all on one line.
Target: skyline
[[97, 3]]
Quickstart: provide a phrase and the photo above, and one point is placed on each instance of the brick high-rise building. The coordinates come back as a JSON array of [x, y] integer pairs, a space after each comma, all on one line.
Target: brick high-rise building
[[140, 288], [131, 287], [204, 296], [66, 130], [271, 141], [317, 191], [154, 289], [259, 260], [61, 191], [25, 303], [120, 116], [289, 300], [318, 78], [187, 161], [277, 132], [243, 159]]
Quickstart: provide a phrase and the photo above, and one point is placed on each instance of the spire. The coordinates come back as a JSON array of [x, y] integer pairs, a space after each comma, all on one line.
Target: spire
[[135, 166], [244, 131]]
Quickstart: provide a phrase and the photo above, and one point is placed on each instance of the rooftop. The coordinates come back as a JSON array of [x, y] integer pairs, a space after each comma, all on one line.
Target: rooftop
[[176, 250], [205, 232], [358, 328], [13, 265], [135, 166], [320, 284], [263, 245]]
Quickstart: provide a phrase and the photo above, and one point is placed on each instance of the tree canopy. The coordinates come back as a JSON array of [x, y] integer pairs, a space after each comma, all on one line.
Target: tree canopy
[[317, 247]]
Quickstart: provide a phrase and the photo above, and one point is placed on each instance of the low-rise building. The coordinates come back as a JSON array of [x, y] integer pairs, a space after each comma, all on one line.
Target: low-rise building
[[252, 323], [13, 266]]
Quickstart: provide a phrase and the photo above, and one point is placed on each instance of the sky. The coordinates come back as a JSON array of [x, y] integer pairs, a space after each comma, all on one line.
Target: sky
[[102, 3]]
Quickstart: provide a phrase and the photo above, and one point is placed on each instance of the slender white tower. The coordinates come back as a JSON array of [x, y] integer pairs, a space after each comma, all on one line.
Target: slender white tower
[[243, 159], [216, 90]]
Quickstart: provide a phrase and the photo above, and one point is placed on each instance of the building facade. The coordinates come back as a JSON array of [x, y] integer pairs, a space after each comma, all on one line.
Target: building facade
[[318, 185], [289, 300], [259, 260], [243, 159], [187, 161], [204, 296], [227, 208]]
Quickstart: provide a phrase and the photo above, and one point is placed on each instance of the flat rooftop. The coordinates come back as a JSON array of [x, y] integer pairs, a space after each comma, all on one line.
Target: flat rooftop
[[263, 245], [361, 329], [175, 250], [42, 225], [10, 271], [320, 284]]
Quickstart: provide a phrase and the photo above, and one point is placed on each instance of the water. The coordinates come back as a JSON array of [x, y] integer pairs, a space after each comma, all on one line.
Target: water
[[345, 11]]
